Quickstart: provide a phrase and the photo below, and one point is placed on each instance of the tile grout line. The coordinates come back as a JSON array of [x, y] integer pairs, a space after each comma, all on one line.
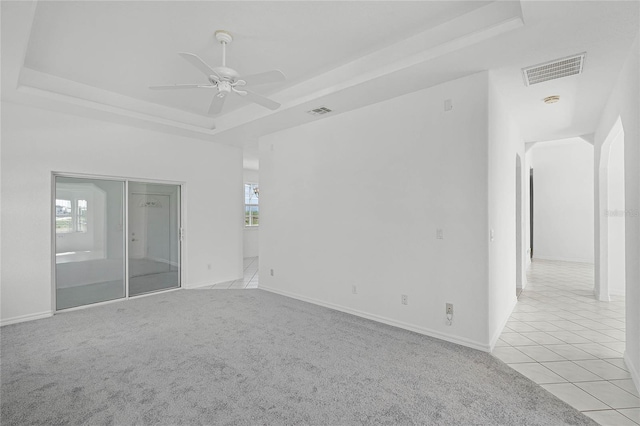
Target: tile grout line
[[553, 295]]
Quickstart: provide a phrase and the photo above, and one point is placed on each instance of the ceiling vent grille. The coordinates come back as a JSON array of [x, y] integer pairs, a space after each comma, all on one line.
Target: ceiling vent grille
[[559, 68], [319, 111]]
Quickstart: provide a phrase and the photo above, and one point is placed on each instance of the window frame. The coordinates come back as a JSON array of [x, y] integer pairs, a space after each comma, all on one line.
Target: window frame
[[249, 207]]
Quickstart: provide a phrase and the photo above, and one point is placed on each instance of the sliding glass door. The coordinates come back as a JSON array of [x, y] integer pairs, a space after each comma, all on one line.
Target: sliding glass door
[[89, 241], [154, 237], [98, 239]]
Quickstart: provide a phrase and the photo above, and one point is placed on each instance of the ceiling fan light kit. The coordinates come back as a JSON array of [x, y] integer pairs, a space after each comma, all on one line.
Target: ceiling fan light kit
[[225, 79]]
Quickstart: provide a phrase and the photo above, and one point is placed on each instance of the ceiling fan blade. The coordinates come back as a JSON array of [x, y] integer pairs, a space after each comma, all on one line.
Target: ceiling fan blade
[[180, 86], [216, 105], [261, 100], [199, 63], [273, 76]]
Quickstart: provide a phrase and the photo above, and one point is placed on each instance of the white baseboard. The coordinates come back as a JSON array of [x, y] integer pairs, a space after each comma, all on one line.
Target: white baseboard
[[498, 332], [632, 370], [562, 259], [417, 329], [207, 283], [23, 318], [198, 285]]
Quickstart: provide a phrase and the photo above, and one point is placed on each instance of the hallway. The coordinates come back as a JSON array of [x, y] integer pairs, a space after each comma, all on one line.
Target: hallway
[[571, 344]]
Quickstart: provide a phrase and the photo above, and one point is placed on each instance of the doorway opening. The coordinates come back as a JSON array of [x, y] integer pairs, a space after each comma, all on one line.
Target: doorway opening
[[109, 246], [531, 213]]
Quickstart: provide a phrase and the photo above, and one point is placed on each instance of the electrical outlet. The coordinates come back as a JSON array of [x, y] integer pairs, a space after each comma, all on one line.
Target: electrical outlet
[[404, 299], [271, 272], [354, 289], [208, 266], [449, 308], [439, 234]]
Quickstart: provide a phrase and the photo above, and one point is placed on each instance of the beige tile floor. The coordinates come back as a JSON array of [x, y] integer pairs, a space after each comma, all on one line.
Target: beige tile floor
[[250, 279], [571, 344]]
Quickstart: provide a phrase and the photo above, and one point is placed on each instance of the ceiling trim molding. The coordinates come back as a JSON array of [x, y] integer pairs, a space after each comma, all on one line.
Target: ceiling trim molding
[[68, 91], [464, 31], [371, 78]]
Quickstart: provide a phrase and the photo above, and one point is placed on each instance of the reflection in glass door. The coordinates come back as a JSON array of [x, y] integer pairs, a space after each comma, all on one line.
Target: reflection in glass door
[[154, 237], [89, 241]]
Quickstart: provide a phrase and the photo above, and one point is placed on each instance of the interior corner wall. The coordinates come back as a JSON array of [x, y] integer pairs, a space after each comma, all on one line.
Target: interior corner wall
[[563, 200], [251, 234], [624, 103], [36, 142], [505, 146], [350, 205]]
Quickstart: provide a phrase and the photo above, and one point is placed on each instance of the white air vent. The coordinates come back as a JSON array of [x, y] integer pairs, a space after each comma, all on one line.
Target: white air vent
[[559, 68], [319, 111]]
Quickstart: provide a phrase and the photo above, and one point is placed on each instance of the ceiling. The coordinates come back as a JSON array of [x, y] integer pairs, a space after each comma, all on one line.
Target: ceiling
[[98, 58]]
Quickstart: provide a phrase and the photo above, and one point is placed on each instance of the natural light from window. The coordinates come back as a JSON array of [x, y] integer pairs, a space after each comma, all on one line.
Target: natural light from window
[[251, 209], [71, 216]]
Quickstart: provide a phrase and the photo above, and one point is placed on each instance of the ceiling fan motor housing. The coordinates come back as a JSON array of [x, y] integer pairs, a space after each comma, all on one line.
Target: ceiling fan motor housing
[[226, 73]]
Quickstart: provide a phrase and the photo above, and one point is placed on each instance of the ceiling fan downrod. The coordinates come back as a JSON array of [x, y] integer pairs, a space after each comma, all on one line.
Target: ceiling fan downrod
[[224, 38]]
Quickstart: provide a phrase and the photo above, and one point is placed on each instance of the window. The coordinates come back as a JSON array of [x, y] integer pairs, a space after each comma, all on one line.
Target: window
[[251, 210], [71, 216], [81, 215]]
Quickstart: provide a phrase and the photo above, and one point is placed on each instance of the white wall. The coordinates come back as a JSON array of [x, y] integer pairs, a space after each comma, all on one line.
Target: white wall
[[36, 142], [624, 103], [563, 200], [251, 241], [250, 176], [505, 145], [251, 235], [355, 200], [616, 269]]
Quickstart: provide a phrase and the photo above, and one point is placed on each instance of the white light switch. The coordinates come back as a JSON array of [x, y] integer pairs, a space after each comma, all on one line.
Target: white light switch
[[448, 105], [439, 234], [491, 235]]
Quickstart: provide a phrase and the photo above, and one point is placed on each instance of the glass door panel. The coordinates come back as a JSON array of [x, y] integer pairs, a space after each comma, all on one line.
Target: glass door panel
[[154, 237], [89, 242]]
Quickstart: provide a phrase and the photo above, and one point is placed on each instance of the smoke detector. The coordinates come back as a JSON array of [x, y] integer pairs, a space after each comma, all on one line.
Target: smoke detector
[[551, 99], [564, 67]]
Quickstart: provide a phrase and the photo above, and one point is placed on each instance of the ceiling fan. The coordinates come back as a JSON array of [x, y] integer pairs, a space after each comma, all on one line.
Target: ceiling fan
[[225, 80]]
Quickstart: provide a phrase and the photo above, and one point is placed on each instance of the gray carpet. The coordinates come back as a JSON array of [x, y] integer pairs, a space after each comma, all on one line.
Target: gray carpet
[[246, 357]]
